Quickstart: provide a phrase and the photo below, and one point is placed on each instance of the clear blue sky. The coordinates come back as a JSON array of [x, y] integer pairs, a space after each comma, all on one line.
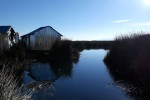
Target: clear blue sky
[[77, 19]]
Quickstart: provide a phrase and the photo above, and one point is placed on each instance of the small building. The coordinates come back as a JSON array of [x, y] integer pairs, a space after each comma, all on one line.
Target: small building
[[8, 37], [42, 38]]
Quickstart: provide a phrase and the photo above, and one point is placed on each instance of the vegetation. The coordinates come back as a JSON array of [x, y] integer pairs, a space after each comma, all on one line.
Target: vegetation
[[13, 62], [128, 59], [9, 89], [81, 45], [15, 58], [61, 50]]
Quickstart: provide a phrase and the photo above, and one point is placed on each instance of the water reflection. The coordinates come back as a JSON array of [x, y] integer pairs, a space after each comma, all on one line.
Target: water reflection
[[62, 68], [45, 73], [126, 82], [42, 72], [74, 79]]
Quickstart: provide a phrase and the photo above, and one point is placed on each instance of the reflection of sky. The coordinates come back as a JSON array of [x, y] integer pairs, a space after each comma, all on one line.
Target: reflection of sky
[[26, 79], [42, 71], [90, 81]]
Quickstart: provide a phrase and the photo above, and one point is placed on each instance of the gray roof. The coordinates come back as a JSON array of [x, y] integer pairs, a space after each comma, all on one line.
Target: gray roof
[[31, 33], [4, 29]]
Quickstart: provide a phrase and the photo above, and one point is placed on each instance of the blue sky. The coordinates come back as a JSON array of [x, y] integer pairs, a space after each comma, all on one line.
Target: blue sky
[[78, 19]]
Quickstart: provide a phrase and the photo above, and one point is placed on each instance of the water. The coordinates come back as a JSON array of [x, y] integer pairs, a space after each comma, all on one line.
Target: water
[[88, 79]]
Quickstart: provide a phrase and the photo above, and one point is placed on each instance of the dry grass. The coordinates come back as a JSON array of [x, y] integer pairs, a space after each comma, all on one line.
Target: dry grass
[[9, 89], [12, 65], [130, 55]]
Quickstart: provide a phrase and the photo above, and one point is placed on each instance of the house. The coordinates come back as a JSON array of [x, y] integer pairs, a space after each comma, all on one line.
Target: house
[[42, 38], [8, 37]]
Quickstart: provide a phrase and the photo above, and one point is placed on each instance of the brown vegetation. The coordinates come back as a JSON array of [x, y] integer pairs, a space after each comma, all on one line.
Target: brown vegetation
[[129, 60]]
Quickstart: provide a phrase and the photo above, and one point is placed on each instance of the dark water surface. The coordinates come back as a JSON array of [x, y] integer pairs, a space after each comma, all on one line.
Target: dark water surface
[[88, 79]]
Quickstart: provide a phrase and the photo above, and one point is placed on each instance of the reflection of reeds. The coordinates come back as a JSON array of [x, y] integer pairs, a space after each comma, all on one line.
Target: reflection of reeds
[[130, 55]]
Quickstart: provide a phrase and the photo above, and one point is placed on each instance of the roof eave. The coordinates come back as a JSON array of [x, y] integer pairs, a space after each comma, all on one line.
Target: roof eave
[[31, 33]]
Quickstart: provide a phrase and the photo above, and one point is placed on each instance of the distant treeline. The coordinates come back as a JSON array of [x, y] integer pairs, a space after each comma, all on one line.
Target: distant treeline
[[81, 45]]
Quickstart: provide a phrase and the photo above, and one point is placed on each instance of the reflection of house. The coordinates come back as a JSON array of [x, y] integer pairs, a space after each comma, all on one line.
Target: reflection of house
[[42, 38], [8, 37], [42, 72]]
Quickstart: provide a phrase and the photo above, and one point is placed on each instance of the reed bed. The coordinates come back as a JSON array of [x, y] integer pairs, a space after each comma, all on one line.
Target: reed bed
[[9, 89], [128, 58], [12, 64]]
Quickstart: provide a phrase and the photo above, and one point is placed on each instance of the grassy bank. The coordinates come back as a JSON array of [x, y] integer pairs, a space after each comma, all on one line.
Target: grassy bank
[[128, 59], [9, 89], [12, 64], [16, 58], [63, 55]]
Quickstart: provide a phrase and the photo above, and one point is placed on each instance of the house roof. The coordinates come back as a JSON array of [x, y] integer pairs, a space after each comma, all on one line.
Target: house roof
[[4, 29], [31, 33]]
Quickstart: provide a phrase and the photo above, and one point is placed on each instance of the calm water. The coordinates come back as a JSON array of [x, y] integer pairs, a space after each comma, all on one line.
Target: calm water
[[88, 79]]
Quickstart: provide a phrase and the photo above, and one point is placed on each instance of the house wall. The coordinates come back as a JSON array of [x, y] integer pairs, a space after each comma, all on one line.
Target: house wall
[[4, 42], [44, 39]]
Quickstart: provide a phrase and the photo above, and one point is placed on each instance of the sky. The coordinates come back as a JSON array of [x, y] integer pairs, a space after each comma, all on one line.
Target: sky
[[78, 19]]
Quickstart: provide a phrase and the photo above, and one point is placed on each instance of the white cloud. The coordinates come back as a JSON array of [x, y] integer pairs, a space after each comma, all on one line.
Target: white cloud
[[120, 21], [140, 24]]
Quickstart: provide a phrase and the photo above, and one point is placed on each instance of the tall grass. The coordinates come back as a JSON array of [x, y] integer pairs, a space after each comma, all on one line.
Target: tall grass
[[16, 58], [61, 49], [129, 58], [9, 89], [13, 62]]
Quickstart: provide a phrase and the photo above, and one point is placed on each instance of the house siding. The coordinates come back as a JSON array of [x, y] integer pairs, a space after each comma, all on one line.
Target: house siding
[[4, 42], [7, 37], [43, 39]]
